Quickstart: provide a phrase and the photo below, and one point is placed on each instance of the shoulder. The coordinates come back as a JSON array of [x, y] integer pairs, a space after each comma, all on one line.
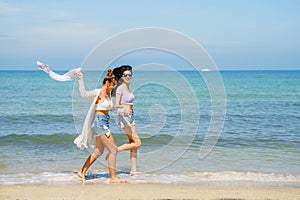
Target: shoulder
[[120, 89], [96, 91]]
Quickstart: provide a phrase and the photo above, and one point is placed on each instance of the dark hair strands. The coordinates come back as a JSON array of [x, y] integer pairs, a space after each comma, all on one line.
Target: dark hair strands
[[118, 72], [109, 77]]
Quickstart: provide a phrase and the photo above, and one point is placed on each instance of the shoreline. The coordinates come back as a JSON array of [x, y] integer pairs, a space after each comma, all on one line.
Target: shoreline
[[146, 191], [219, 178]]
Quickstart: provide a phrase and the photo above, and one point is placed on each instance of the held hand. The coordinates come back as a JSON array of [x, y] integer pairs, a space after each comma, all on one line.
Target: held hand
[[130, 110], [79, 74], [127, 111], [114, 109]]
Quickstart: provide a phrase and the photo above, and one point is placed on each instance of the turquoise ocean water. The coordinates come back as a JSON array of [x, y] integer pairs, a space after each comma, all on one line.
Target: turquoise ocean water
[[259, 142]]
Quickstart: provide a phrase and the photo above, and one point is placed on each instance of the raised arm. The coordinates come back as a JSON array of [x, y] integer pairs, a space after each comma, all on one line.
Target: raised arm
[[85, 94]]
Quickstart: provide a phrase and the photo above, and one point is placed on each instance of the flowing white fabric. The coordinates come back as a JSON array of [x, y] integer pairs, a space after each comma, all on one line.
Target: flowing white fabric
[[87, 137], [70, 75]]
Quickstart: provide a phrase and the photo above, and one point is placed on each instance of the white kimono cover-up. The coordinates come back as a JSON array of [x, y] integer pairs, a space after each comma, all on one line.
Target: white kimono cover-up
[[86, 138], [70, 75]]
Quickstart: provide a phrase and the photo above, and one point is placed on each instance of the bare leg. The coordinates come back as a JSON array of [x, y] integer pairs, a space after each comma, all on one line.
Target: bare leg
[[134, 143], [133, 158], [91, 159], [112, 148], [134, 139]]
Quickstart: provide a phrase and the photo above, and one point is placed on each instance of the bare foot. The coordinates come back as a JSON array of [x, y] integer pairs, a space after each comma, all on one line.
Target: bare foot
[[82, 176], [133, 173], [116, 180]]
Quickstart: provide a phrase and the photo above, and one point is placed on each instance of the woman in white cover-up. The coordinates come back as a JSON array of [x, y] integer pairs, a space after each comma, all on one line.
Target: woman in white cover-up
[[99, 115]]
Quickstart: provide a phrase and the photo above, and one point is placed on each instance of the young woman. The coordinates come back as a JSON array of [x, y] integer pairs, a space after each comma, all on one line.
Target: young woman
[[101, 105], [124, 103]]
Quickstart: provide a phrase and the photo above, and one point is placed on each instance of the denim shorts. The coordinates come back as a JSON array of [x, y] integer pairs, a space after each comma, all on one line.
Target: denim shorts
[[101, 125], [126, 120]]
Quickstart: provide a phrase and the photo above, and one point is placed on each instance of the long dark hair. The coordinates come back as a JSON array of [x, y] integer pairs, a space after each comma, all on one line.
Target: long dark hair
[[118, 72]]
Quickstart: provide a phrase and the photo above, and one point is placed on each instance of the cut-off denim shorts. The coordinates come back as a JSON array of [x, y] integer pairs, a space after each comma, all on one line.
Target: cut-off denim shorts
[[101, 125], [126, 120]]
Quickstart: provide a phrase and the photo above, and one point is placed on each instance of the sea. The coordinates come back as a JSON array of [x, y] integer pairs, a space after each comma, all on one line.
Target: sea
[[224, 128]]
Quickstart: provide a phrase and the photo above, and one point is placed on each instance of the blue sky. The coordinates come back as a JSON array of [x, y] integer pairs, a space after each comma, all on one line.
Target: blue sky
[[253, 34]]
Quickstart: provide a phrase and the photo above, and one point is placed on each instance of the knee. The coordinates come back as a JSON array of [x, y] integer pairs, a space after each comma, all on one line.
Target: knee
[[113, 150], [138, 144], [97, 153]]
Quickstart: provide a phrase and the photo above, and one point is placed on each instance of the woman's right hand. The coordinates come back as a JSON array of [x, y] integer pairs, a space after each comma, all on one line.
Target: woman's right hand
[[79, 74], [127, 109]]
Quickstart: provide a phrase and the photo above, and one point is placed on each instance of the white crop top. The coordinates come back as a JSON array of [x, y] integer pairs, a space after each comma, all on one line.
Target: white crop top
[[105, 105]]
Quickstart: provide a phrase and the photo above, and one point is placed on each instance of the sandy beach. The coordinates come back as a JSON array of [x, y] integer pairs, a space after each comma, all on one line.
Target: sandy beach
[[146, 191]]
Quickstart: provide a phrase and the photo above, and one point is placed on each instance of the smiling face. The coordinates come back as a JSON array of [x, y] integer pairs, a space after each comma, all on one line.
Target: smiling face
[[127, 76], [110, 84]]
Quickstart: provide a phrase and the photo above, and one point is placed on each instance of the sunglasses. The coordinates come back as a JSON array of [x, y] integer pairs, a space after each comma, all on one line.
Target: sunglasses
[[127, 75]]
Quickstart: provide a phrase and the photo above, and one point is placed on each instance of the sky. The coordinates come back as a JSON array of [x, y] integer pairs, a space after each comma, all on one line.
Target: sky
[[236, 34]]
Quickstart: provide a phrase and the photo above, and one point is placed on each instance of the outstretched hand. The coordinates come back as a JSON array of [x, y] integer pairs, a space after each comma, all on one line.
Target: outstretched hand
[[79, 74]]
